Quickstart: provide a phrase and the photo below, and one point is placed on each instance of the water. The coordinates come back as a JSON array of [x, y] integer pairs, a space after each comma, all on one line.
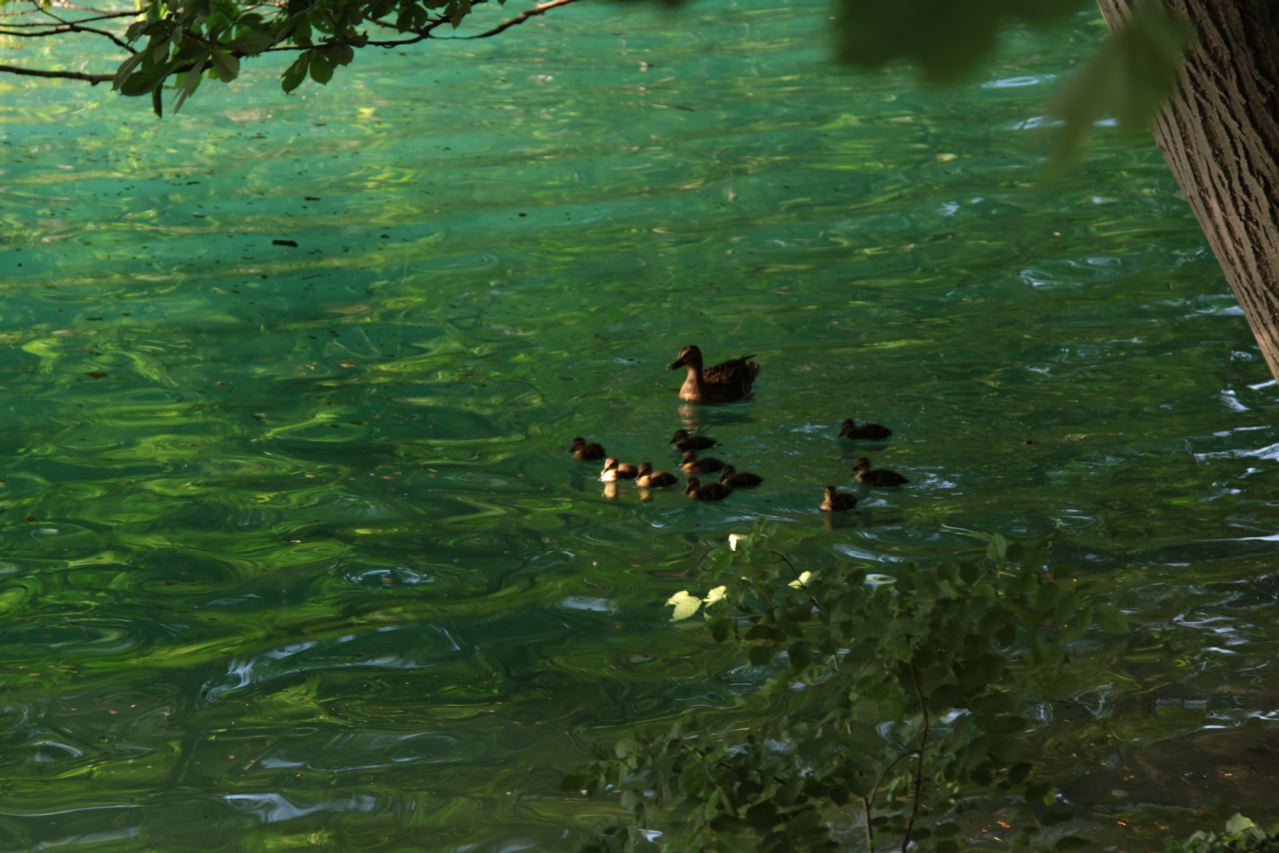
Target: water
[[292, 549]]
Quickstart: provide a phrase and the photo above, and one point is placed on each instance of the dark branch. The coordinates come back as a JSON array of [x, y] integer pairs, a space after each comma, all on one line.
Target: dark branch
[[519, 19], [75, 27], [95, 79]]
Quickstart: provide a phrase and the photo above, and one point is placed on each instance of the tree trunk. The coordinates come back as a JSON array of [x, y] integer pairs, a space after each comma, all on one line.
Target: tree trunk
[[1220, 136]]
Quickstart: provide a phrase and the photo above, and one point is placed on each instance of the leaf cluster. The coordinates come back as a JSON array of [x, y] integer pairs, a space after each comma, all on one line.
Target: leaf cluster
[[1240, 835], [889, 700]]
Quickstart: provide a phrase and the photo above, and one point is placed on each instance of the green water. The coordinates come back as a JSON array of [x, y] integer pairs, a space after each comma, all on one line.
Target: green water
[[292, 551]]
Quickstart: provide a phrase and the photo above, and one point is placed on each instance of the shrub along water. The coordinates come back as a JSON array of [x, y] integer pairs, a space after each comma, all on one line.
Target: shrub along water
[[889, 706]]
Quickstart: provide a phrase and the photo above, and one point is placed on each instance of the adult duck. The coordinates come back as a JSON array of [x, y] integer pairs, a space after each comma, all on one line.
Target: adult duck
[[869, 476], [725, 382]]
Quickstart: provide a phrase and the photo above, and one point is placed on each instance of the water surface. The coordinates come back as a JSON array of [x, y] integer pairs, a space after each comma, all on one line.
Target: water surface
[[292, 551]]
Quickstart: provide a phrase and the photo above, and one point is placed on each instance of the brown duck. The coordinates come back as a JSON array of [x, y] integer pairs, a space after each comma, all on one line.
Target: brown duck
[[710, 492], [683, 441], [833, 500], [745, 480], [863, 432], [723, 383], [650, 479], [614, 470], [586, 450], [691, 464], [876, 476]]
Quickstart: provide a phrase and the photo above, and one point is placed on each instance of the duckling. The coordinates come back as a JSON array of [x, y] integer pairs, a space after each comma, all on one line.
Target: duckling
[[865, 432], [650, 479], [586, 450], [614, 470], [683, 441], [745, 480], [725, 382], [710, 492], [833, 500], [690, 464], [876, 476]]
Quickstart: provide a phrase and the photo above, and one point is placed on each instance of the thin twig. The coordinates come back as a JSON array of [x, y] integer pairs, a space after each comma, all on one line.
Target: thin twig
[[74, 26], [919, 765], [870, 831], [519, 19]]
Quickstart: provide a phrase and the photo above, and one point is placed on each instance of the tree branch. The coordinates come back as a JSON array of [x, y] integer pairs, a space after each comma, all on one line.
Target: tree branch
[[919, 764], [74, 26], [536, 10], [95, 79]]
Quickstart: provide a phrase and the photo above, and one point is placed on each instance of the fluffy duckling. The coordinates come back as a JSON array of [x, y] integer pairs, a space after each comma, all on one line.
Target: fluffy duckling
[[614, 470], [876, 476], [725, 382], [833, 500], [684, 442], [691, 464], [710, 492], [865, 432], [586, 450], [745, 480], [650, 479]]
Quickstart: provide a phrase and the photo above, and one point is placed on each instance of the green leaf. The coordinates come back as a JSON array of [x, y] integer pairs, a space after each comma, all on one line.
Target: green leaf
[[225, 65], [145, 80], [685, 604], [252, 43], [1130, 78], [997, 548], [190, 82], [295, 73], [1238, 823], [126, 68], [457, 10], [321, 68]]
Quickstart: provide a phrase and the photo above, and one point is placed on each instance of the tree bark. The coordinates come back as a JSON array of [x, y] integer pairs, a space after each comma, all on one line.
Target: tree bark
[[1220, 136]]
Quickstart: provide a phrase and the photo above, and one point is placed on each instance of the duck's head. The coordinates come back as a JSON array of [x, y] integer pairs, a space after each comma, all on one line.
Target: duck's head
[[829, 493], [693, 485], [862, 464], [577, 442], [645, 468], [689, 355], [680, 434], [726, 472], [847, 426], [688, 456], [610, 463]]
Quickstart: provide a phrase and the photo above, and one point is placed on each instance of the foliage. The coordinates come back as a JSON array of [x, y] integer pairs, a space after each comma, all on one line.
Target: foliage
[[1240, 834], [184, 41], [945, 39], [163, 42], [892, 699], [1130, 78]]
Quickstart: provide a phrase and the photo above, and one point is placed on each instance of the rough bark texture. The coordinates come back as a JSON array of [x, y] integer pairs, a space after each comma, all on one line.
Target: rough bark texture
[[1220, 136]]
